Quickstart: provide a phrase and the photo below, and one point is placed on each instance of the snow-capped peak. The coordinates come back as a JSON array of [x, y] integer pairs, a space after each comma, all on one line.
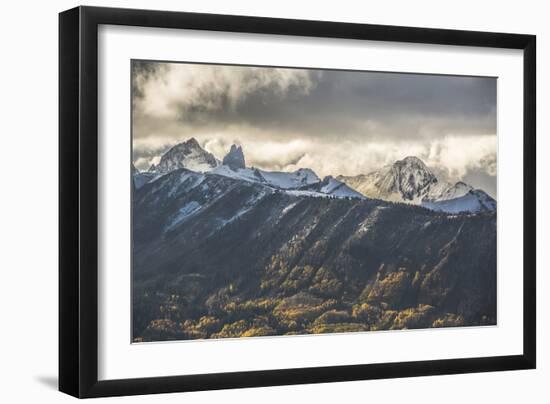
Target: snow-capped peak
[[408, 178], [188, 154]]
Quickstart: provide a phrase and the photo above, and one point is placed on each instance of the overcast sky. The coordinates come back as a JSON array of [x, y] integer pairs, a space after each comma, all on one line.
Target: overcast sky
[[335, 122]]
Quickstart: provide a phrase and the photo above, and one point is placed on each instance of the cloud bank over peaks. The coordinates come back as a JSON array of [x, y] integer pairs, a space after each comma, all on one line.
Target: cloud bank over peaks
[[334, 122], [187, 91]]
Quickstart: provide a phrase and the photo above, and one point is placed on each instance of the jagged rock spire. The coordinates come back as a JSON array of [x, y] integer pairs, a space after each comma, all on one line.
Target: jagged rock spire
[[235, 158]]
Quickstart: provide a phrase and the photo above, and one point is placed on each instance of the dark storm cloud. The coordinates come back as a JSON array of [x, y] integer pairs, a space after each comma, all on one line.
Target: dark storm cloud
[[287, 118], [377, 105], [401, 106]]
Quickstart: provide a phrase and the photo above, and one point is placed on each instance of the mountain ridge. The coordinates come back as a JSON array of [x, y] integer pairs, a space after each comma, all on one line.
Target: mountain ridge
[[215, 256], [411, 181], [408, 180]]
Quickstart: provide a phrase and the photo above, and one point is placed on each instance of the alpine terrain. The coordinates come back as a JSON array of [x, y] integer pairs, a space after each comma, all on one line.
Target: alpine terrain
[[221, 249], [411, 181]]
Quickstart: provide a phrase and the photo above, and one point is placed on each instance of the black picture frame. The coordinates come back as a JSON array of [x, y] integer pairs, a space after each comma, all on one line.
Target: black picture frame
[[78, 200]]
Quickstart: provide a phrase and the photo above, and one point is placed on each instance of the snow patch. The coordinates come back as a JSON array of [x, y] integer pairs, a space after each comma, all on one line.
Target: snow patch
[[192, 178], [184, 212], [248, 205], [288, 208], [474, 202], [313, 194], [290, 180]]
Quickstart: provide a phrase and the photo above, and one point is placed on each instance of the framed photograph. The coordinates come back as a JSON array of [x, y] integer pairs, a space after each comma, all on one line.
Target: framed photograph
[[251, 201]]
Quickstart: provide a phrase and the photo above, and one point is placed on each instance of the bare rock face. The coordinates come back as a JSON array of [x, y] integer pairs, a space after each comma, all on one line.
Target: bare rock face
[[235, 158]]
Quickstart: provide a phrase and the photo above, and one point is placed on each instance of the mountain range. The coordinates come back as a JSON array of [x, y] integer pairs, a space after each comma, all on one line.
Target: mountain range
[[411, 181], [222, 250], [191, 156], [405, 181]]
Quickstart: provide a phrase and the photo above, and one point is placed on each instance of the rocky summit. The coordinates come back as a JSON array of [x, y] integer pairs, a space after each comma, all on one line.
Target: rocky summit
[[188, 154], [235, 158]]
